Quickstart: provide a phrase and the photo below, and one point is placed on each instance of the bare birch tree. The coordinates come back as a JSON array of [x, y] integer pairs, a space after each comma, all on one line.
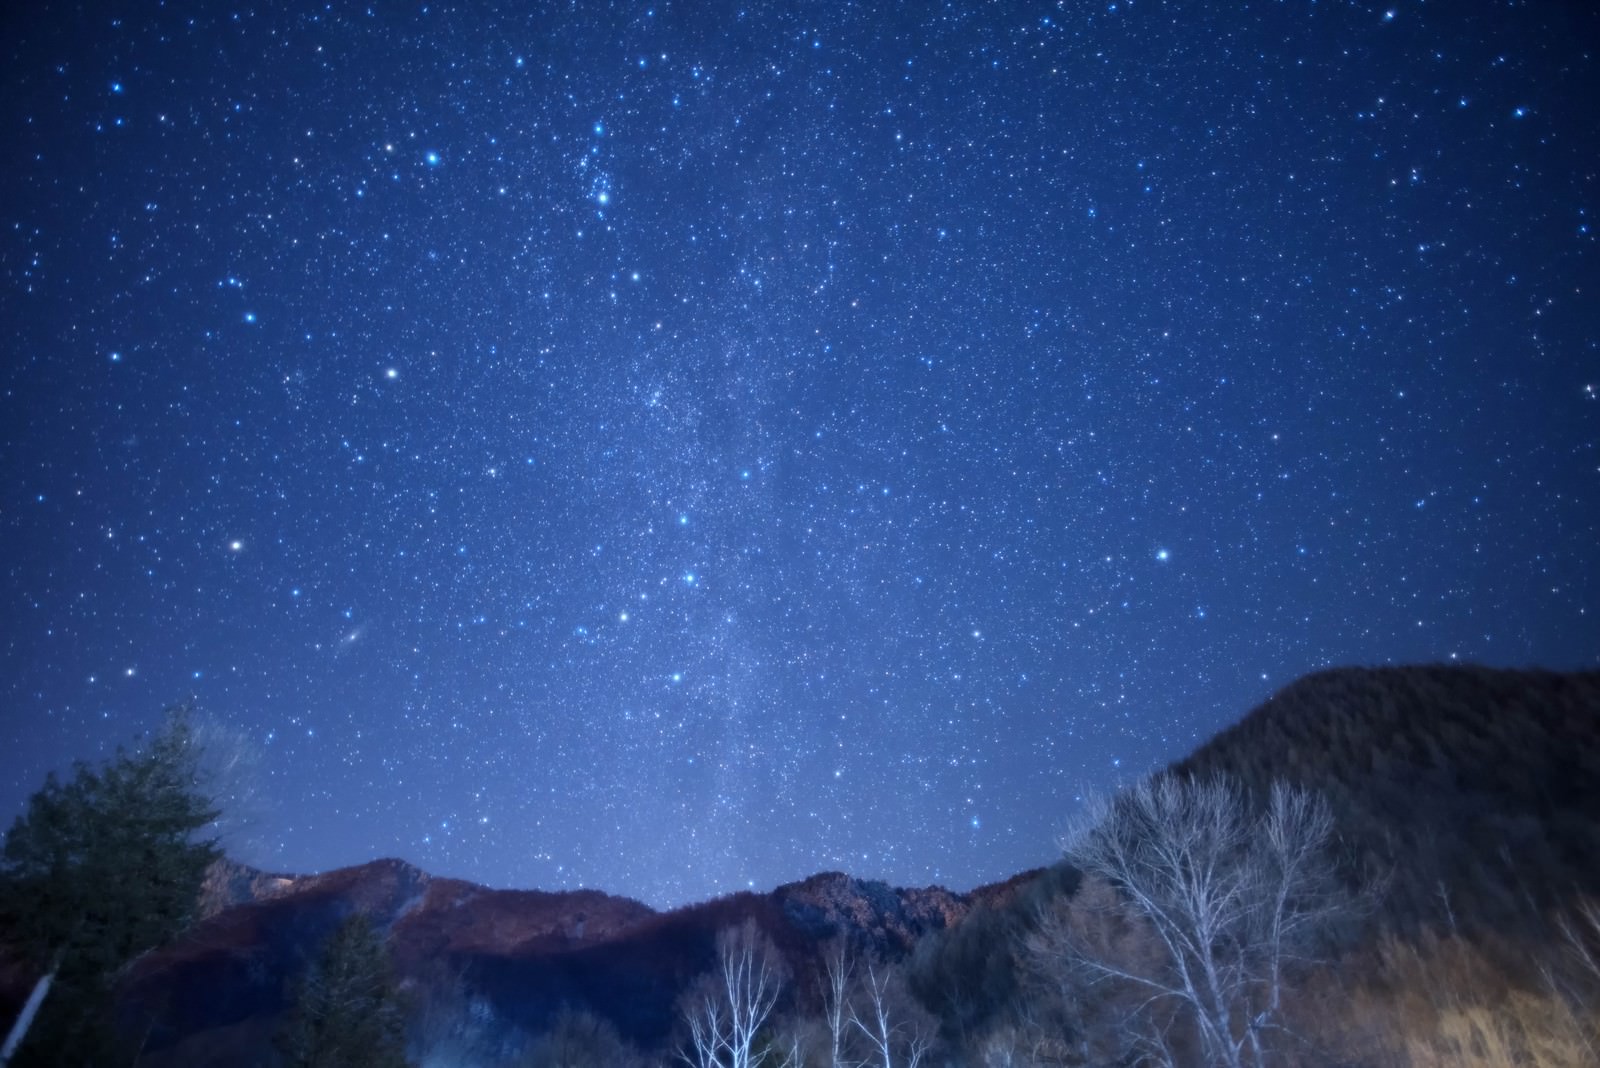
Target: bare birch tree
[[1228, 897], [727, 1012], [575, 1039], [896, 1031], [837, 968]]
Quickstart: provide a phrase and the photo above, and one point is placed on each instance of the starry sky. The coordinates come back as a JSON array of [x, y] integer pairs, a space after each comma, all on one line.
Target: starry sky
[[676, 448]]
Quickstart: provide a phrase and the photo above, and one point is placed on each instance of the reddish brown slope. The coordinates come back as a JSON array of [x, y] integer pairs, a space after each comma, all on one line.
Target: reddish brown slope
[[522, 954]]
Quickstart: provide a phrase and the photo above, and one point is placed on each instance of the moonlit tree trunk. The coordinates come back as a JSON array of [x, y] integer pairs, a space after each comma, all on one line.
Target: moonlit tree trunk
[[19, 1029], [97, 870], [707, 1033], [894, 1029], [835, 1001], [726, 1016], [1228, 898], [873, 1019]]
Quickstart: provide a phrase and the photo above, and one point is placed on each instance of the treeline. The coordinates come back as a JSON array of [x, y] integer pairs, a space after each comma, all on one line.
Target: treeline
[[1474, 792], [1391, 868]]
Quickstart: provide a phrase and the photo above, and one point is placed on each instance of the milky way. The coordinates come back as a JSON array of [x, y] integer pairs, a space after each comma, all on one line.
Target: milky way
[[677, 449]]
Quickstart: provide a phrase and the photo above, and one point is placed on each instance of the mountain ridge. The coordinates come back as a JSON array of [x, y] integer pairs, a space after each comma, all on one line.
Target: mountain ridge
[[526, 954], [1475, 790]]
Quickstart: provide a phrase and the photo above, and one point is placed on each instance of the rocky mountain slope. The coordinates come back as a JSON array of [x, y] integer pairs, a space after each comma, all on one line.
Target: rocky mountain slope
[[514, 957]]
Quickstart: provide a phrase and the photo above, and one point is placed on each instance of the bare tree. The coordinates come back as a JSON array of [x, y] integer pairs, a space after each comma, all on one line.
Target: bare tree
[[1224, 899], [896, 1031], [835, 983], [578, 1039], [1034, 1035], [707, 1030], [450, 1024], [789, 1045], [726, 1012]]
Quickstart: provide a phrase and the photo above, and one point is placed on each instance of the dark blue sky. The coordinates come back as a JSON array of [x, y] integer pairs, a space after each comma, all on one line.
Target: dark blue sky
[[672, 448]]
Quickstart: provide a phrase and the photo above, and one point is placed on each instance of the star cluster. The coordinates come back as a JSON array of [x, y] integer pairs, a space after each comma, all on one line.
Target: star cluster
[[681, 447]]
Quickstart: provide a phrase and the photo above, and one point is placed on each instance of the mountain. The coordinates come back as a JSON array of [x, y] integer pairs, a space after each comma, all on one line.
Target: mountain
[[1473, 792], [513, 958], [1470, 797]]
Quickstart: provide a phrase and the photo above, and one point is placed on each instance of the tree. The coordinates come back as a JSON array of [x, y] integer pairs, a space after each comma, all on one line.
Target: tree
[[727, 1010], [347, 1013], [580, 1039], [450, 1023], [1219, 899], [897, 1030], [98, 870], [871, 1010], [835, 987]]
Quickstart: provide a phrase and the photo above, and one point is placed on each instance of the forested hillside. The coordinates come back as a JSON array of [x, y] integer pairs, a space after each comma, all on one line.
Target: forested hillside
[[1475, 791]]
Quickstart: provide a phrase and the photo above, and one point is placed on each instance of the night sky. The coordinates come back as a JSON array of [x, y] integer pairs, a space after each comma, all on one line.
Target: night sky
[[677, 448]]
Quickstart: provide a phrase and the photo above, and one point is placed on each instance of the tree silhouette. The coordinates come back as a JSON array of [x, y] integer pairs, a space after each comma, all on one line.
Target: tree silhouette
[[347, 1013], [1199, 907], [98, 870]]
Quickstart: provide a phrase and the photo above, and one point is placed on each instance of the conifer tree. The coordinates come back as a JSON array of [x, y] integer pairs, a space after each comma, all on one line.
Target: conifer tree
[[347, 1013], [98, 870]]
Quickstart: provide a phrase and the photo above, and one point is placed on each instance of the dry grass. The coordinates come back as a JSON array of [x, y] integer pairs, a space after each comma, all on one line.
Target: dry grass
[[1445, 1002]]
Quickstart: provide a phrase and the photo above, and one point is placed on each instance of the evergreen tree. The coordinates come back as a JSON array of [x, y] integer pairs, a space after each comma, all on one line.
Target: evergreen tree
[[347, 1013], [98, 870]]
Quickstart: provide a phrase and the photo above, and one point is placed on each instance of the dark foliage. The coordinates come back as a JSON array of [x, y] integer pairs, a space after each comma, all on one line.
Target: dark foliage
[[969, 974], [1477, 791], [98, 870], [580, 1040], [347, 1012]]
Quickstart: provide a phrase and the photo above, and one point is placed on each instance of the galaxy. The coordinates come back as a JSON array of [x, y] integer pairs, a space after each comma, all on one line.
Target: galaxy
[[679, 448]]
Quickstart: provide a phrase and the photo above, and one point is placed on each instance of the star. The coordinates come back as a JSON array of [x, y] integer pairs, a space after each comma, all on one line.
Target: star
[[929, 339]]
